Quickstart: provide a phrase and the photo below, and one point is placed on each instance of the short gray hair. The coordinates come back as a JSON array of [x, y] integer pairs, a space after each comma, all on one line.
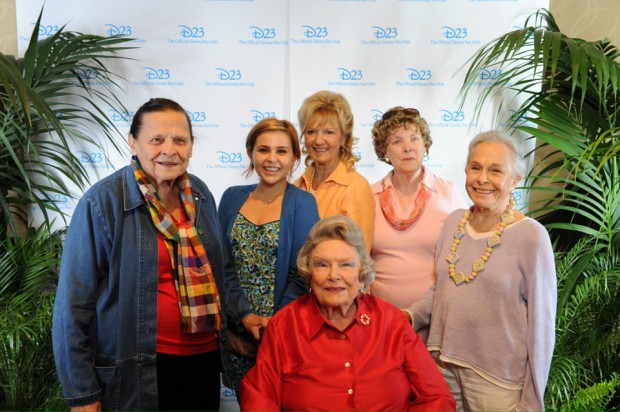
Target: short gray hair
[[519, 165], [337, 227]]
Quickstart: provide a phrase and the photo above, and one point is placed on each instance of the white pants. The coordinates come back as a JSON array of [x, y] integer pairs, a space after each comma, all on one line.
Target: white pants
[[474, 393]]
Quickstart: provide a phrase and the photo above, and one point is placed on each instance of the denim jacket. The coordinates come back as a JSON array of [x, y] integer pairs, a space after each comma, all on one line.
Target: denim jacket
[[105, 315]]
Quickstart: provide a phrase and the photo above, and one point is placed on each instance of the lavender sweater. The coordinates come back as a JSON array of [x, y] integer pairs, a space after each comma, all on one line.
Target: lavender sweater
[[502, 324]]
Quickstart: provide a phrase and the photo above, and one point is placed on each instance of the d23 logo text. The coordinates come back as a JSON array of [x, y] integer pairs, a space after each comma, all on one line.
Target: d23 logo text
[[47, 30], [376, 114], [123, 116], [350, 74], [450, 116], [490, 74], [191, 32], [314, 32], [257, 115], [454, 32], [229, 157], [86, 74], [228, 74], [384, 32], [157, 74], [197, 117], [93, 157], [114, 30], [58, 198], [419, 74], [262, 32]]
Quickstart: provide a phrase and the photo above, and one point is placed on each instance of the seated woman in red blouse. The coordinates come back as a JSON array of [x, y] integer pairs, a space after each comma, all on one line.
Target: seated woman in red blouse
[[337, 348]]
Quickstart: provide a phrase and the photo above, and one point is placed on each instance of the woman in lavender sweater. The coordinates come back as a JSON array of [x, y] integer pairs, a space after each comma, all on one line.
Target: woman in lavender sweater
[[492, 310]]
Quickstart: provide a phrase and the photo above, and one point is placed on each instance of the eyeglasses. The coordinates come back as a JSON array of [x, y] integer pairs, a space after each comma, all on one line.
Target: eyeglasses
[[408, 111]]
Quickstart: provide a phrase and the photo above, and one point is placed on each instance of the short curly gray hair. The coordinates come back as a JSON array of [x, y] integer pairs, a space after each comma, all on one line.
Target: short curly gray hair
[[337, 227]]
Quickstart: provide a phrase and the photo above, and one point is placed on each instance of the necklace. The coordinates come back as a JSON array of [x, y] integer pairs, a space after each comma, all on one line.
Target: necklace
[[264, 203], [310, 189], [507, 218]]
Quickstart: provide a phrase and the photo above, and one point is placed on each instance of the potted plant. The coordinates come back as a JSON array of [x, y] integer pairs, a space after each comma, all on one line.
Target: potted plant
[[46, 106], [566, 95]]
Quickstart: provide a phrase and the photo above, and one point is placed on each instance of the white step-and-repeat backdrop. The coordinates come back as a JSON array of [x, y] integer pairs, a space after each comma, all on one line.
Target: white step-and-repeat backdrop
[[231, 63]]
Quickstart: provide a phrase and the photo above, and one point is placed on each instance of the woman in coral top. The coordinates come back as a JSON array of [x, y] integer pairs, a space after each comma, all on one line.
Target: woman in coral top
[[337, 348], [411, 205]]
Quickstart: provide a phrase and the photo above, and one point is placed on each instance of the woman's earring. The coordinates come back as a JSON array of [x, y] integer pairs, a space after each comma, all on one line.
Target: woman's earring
[[512, 200], [310, 291]]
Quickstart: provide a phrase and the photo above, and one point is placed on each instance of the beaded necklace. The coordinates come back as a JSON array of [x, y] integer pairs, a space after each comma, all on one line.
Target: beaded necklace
[[310, 189], [507, 218]]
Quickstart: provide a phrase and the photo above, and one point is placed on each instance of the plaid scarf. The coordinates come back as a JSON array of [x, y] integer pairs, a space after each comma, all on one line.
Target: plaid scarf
[[199, 301]]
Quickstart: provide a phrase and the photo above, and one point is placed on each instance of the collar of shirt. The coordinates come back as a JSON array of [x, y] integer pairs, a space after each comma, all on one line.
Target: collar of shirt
[[427, 180], [340, 175], [315, 320]]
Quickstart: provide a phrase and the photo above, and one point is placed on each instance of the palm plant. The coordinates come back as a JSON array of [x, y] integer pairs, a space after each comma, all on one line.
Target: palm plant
[[28, 272], [45, 106], [565, 93], [570, 92]]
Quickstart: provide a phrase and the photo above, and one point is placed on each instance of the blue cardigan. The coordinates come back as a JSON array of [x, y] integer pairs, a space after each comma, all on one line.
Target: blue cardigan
[[299, 214]]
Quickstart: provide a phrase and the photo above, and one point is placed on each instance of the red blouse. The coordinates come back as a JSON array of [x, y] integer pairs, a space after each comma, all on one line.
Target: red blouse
[[377, 363]]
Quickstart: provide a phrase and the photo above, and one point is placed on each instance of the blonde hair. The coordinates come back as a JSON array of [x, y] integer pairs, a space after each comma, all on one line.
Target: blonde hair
[[330, 105]]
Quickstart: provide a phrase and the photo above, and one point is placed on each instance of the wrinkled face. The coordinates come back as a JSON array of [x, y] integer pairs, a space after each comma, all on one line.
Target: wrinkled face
[[323, 138], [335, 268], [273, 156], [405, 149], [163, 147], [489, 176]]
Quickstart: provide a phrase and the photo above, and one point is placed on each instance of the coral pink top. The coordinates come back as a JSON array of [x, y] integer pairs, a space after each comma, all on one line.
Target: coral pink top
[[405, 261]]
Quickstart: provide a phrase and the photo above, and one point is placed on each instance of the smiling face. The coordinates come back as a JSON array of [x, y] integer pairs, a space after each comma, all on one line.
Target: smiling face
[[490, 177], [335, 269], [323, 138], [273, 157], [163, 147], [405, 149]]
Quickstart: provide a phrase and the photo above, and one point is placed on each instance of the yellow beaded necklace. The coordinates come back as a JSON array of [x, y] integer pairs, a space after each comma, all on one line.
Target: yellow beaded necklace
[[507, 218]]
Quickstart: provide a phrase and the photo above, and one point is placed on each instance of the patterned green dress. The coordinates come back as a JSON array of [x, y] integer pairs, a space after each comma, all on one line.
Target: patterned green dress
[[255, 251]]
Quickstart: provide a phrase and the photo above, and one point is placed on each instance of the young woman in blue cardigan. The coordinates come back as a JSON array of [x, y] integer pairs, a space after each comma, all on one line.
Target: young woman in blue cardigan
[[264, 226]]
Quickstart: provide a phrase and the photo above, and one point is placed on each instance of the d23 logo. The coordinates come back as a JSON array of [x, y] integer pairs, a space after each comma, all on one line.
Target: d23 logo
[[47, 30], [376, 114], [191, 32], [314, 32], [86, 74], [419, 74], [347, 74], [228, 74], [490, 74], [450, 116], [94, 157], [123, 116], [454, 32], [263, 32], [384, 32], [114, 30], [157, 74], [229, 157], [197, 117], [58, 198], [257, 115]]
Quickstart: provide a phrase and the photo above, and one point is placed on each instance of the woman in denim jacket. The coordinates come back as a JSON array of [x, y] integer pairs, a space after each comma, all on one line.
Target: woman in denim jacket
[[137, 309]]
